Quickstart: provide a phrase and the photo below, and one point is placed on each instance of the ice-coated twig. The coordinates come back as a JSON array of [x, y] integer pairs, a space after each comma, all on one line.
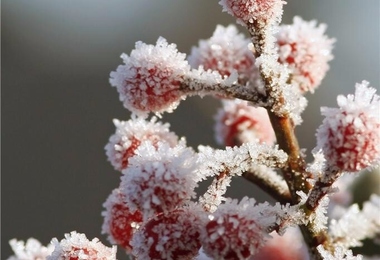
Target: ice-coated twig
[[202, 83], [237, 160], [269, 181], [252, 159], [356, 225], [214, 194]]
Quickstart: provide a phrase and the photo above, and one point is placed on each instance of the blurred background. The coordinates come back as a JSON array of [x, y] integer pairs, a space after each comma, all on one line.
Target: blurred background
[[57, 104]]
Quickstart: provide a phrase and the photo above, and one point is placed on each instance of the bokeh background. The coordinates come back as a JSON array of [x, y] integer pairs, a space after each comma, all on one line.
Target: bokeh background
[[57, 104]]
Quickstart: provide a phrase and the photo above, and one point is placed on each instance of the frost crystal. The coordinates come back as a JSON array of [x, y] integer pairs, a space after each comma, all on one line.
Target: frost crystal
[[119, 221], [226, 51], [350, 135], [238, 122], [151, 77], [237, 160], [306, 50], [31, 250], [129, 135], [286, 99], [356, 225], [172, 235], [319, 216], [159, 179], [340, 253], [76, 246]]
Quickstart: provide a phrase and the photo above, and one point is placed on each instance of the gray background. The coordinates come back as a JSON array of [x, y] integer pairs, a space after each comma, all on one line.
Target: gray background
[[57, 104]]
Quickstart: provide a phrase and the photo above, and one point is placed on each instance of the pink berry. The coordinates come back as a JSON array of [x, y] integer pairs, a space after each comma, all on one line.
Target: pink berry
[[159, 179], [250, 11], [151, 77], [233, 232], [172, 235], [226, 51], [238, 122], [129, 135], [289, 246], [306, 50], [120, 222], [349, 136]]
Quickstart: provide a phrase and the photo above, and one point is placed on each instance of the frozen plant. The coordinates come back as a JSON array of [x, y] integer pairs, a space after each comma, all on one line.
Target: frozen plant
[[155, 212]]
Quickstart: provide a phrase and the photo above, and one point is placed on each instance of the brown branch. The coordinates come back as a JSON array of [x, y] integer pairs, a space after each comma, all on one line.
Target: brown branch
[[192, 86], [282, 196], [295, 173]]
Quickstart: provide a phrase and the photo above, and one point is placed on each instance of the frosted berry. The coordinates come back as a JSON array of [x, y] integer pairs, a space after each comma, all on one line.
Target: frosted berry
[[306, 50], [150, 79], [349, 136], [159, 180], [250, 11], [172, 235], [129, 135], [289, 246], [119, 221], [76, 246], [237, 122], [233, 232], [227, 50]]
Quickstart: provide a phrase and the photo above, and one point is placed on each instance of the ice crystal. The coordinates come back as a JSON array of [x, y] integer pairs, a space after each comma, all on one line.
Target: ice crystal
[[237, 160], [351, 228], [237, 122], [214, 194], [306, 50], [356, 225], [340, 253], [129, 135], [150, 79], [31, 250], [319, 216], [159, 179], [350, 135], [285, 99], [76, 246]]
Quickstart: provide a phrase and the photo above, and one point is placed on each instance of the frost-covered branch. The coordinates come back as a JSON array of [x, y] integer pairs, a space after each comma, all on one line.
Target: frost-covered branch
[[201, 83], [238, 160], [270, 182], [155, 212]]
